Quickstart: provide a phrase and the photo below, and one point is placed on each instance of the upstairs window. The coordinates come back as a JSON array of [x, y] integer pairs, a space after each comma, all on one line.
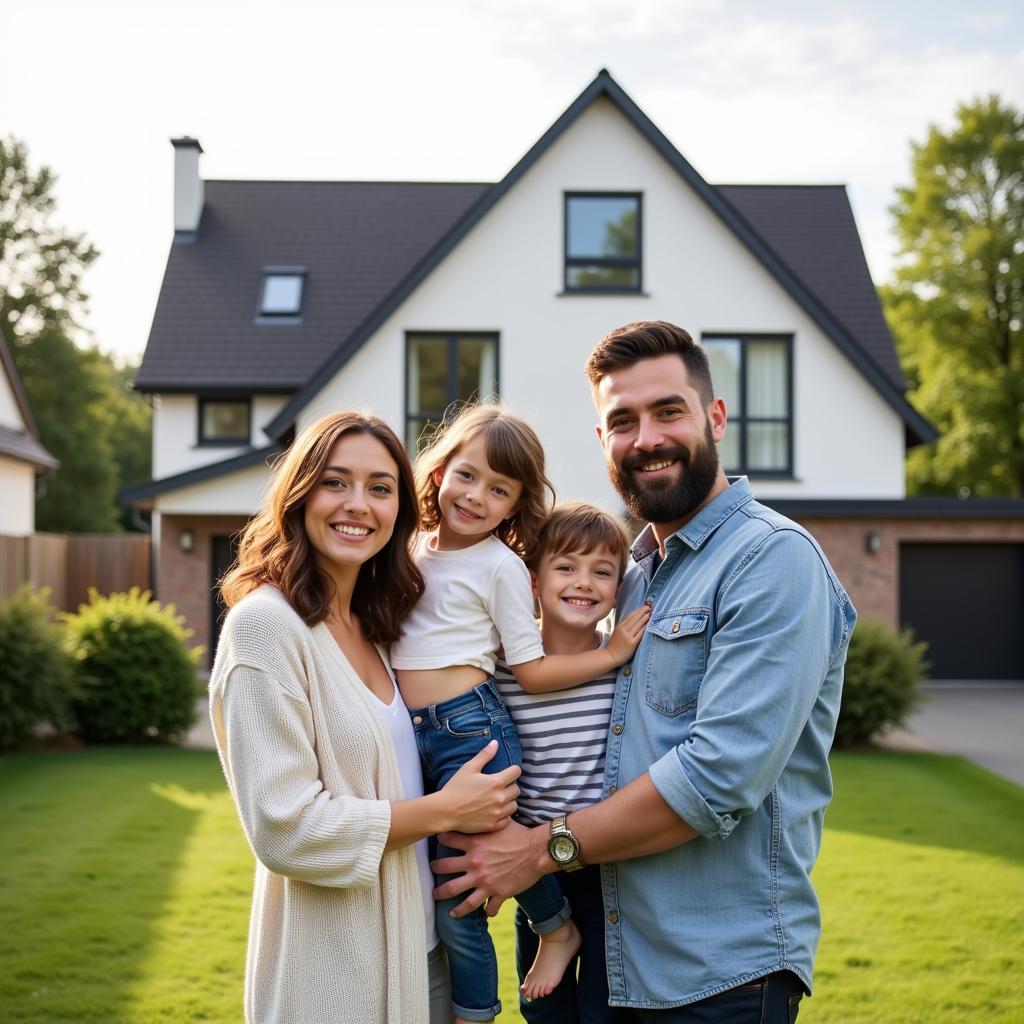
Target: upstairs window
[[224, 421], [445, 368], [602, 242], [754, 374], [281, 293]]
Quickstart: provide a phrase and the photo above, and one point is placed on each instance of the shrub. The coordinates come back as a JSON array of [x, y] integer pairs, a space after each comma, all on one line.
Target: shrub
[[883, 670], [135, 674], [35, 677]]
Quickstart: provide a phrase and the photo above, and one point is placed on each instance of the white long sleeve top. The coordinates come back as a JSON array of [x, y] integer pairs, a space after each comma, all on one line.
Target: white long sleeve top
[[337, 931]]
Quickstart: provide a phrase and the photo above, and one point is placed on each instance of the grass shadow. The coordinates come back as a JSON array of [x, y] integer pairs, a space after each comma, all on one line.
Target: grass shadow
[[91, 840], [927, 799]]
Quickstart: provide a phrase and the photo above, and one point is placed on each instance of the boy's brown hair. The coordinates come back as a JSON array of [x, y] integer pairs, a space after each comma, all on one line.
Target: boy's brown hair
[[576, 527]]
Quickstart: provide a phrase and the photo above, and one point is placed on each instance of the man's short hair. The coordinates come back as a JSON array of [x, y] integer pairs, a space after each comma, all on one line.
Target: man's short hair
[[574, 527], [648, 339]]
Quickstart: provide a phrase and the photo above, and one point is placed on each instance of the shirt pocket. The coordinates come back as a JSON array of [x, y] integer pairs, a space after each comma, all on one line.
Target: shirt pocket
[[677, 658]]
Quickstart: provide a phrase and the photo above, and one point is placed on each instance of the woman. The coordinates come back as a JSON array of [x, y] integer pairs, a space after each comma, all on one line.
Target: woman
[[318, 749]]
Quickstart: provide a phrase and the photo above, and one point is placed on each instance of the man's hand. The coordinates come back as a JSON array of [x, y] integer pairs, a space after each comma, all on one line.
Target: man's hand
[[492, 867]]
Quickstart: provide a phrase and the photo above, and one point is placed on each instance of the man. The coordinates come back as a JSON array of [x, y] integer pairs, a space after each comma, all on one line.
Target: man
[[717, 774]]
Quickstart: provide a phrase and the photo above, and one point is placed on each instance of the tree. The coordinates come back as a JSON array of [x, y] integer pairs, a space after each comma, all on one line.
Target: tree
[[41, 264], [86, 414], [956, 304]]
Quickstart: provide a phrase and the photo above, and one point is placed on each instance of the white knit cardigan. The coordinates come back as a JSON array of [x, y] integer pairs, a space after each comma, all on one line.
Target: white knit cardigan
[[336, 934]]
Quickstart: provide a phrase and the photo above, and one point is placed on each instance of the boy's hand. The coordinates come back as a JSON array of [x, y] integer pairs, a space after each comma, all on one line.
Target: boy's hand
[[626, 637]]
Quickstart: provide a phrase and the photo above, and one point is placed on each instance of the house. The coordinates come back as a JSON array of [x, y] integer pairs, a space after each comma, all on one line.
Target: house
[[284, 300], [22, 458]]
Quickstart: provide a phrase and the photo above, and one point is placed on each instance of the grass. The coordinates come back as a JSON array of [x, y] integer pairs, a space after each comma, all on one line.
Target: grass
[[127, 881]]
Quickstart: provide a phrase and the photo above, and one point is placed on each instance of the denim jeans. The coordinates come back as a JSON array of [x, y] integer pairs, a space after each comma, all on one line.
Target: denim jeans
[[773, 999], [582, 999], [448, 735]]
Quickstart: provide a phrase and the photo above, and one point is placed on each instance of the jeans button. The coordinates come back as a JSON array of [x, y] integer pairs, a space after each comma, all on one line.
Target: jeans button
[[417, 719], [617, 729], [613, 918]]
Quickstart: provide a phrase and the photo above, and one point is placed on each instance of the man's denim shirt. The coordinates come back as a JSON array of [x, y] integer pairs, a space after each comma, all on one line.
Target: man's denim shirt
[[731, 703]]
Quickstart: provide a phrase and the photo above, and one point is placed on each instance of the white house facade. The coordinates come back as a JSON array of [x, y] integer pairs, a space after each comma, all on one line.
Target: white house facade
[[461, 290]]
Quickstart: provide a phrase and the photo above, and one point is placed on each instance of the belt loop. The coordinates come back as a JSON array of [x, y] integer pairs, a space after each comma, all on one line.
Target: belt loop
[[432, 712]]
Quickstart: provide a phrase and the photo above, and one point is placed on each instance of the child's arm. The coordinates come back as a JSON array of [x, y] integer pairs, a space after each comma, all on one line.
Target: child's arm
[[561, 671]]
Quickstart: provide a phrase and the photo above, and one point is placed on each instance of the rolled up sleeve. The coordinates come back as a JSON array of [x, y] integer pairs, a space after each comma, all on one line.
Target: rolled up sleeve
[[770, 651]]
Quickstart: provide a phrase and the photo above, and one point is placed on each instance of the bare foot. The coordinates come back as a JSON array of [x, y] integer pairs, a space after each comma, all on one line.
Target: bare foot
[[554, 954]]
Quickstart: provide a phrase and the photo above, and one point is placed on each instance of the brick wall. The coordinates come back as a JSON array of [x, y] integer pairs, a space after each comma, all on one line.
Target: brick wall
[[184, 577], [872, 579]]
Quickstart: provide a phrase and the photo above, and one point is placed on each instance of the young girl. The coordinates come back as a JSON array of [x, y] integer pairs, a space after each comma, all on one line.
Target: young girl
[[483, 497]]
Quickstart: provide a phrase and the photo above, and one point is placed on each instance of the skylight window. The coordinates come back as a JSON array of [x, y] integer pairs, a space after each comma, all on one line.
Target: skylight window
[[282, 292]]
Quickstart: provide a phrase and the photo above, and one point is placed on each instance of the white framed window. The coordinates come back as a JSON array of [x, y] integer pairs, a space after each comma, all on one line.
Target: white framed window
[[281, 293]]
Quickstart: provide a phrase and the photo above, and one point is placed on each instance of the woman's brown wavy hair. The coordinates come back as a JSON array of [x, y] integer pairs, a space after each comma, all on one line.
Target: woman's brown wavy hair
[[274, 548], [513, 449]]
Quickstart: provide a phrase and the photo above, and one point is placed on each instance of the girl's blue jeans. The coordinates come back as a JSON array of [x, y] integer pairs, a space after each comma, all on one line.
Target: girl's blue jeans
[[448, 735]]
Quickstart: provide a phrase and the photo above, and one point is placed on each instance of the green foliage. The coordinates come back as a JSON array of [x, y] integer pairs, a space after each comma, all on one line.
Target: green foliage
[[956, 305], [35, 676], [88, 417], [41, 264], [880, 686], [135, 675]]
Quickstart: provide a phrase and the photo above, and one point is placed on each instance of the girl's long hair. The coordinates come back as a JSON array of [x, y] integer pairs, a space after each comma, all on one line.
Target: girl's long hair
[[274, 548], [513, 449]]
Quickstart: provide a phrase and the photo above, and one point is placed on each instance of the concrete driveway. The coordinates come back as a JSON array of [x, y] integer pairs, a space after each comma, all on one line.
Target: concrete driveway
[[983, 721]]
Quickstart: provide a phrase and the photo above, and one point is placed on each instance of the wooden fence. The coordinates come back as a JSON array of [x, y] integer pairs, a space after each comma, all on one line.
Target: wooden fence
[[69, 564]]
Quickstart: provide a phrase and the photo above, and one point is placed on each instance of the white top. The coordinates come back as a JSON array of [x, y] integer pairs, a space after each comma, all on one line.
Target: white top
[[476, 600], [336, 934], [563, 735], [395, 717]]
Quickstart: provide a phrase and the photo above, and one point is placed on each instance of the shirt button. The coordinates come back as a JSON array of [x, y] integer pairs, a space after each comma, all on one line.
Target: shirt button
[[612, 789], [675, 626], [617, 729], [417, 719], [613, 918], [627, 671]]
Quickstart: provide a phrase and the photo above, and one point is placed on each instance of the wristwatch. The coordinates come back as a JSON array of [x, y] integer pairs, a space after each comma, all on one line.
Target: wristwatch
[[563, 846]]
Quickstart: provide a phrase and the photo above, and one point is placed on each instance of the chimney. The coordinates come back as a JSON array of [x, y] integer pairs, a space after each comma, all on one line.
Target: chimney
[[188, 186]]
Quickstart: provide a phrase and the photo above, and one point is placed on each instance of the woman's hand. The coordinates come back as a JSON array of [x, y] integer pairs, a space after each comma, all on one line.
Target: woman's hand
[[627, 635], [475, 802]]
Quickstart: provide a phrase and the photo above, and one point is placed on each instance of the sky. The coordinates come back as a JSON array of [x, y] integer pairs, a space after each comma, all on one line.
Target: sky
[[458, 90]]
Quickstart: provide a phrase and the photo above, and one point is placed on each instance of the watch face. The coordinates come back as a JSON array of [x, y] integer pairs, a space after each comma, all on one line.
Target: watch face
[[563, 849]]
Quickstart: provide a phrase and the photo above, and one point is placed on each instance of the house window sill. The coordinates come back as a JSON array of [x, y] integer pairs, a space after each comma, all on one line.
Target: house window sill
[[590, 293]]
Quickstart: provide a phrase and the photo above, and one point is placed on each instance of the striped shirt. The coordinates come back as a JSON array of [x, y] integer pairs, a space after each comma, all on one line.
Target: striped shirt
[[563, 735]]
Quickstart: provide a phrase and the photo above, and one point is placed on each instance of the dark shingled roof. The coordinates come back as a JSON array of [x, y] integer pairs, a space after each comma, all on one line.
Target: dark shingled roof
[[812, 230], [357, 240], [16, 444]]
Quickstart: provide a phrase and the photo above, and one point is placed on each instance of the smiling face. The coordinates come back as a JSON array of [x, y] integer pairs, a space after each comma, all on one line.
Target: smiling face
[[472, 498], [575, 590], [350, 513], [659, 441]]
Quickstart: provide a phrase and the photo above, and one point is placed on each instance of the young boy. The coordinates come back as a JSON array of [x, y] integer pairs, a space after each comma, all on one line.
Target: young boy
[[576, 569]]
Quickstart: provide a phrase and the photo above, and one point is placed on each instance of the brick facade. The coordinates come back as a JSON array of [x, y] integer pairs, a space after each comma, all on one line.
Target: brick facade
[[184, 577], [872, 578]]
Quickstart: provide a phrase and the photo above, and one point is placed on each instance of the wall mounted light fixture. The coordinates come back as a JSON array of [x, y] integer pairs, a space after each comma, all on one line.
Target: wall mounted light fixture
[[187, 541], [872, 543]]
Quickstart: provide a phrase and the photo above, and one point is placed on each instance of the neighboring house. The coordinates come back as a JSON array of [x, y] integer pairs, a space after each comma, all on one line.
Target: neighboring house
[[22, 457], [285, 300]]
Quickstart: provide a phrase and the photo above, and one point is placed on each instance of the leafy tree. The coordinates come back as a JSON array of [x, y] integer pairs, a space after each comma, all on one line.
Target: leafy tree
[[87, 416], [956, 304], [41, 264]]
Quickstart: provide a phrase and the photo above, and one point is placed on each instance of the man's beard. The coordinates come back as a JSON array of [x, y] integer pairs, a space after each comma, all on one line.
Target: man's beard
[[662, 501]]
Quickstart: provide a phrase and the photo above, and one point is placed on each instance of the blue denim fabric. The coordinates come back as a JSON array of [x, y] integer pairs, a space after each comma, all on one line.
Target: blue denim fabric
[[581, 999], [730, 703], [448, 735]]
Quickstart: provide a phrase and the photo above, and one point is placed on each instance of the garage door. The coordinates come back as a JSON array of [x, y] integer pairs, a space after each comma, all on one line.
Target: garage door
[[967, 602]]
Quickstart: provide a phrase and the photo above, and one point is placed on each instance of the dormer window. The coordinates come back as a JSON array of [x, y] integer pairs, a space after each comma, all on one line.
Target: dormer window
[[281, 294]]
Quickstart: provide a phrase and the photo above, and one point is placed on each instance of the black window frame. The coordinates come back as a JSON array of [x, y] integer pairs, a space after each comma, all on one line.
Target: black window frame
[[263, 317], [741, 420], [611, 262], [202, 441], [451, 385]]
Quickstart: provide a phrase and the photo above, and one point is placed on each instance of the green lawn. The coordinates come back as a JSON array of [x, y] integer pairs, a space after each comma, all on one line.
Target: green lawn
[[125, 894]]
